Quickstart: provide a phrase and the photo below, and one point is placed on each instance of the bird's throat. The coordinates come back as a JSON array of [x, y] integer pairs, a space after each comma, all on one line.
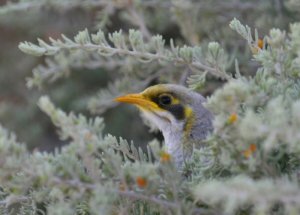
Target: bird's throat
[[174, 144]]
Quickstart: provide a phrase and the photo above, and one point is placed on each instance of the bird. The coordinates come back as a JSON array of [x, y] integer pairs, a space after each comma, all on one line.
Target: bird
[[178, 113]]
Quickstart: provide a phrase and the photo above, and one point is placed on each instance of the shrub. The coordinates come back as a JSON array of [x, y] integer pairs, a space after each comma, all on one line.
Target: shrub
[[249, 166]]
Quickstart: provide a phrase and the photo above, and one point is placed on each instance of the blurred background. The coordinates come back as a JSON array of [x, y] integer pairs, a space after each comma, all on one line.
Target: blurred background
[[190, 22]]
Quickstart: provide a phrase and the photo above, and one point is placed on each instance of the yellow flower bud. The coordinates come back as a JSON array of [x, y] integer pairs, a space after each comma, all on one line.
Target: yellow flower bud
[[232, 118]]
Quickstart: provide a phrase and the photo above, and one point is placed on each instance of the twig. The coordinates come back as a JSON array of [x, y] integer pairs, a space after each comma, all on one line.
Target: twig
[[140, 54], [12, 200], [23, 6], [140, 21], [132, 195]]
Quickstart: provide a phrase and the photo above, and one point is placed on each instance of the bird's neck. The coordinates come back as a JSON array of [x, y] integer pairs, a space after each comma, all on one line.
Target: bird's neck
[[173, 141], [179, 139]]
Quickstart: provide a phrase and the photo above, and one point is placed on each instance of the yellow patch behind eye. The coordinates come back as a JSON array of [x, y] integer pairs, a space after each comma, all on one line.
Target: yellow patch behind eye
[[190, 120], [188, 112], [174, 100]]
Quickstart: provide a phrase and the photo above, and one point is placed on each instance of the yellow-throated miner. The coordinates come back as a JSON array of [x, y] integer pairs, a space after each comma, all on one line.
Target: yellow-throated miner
[[178, 113]]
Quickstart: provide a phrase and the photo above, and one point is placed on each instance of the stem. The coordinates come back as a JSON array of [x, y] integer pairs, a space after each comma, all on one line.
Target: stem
[[131, 195], [139, 21], [147, 55], [13, 200]]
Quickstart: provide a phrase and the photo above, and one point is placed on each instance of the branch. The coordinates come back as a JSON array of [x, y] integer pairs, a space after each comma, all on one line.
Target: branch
[[139, 20], [65, 4], [154, 50], [131, 195], [12, 200]]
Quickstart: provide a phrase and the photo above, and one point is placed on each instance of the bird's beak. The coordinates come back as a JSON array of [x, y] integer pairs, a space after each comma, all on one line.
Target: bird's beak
[[138, 99]]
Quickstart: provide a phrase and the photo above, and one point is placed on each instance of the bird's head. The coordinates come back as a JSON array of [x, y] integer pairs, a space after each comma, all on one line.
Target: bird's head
[[172, 108], [178, 112]]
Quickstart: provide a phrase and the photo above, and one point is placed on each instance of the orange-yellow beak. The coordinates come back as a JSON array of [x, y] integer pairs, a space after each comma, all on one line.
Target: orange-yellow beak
[[139, 100]]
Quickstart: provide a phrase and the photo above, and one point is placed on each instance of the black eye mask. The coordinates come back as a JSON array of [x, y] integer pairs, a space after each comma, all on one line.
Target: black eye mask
[[177, 110], [164, 101]]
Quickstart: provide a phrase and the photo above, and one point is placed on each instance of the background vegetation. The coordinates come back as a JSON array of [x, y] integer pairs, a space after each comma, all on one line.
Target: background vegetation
[[254, 150]]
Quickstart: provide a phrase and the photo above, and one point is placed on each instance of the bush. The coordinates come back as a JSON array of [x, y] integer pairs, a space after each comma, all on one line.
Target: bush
[[251, 162]]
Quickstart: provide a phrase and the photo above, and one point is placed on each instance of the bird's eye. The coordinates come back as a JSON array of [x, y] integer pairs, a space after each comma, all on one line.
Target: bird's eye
[[165, 100]]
